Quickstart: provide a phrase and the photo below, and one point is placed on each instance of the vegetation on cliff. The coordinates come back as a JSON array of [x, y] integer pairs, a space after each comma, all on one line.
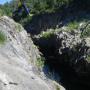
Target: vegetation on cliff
[[2, 37], [59, 28]]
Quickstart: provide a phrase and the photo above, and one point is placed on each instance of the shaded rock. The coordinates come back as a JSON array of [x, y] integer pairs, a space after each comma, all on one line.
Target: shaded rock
[[66, 53]]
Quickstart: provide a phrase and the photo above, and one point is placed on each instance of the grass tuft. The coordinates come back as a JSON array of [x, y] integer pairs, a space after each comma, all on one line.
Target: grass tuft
[[40, 62], [47, 34], [2, 37], [72, 25]]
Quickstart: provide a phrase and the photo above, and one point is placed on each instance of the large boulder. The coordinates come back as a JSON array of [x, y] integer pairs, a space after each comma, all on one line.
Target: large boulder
[[18, 55]]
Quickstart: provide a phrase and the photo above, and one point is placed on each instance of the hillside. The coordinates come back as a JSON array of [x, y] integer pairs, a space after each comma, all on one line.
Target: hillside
[[18, 57], [47, 51]]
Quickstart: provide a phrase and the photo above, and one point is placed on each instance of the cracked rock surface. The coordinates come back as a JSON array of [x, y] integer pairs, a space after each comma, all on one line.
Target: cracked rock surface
[[16, 55]]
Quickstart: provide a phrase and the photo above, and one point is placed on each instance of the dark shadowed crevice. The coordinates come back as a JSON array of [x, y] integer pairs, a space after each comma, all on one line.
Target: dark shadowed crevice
[[68, 63], [64, 64]]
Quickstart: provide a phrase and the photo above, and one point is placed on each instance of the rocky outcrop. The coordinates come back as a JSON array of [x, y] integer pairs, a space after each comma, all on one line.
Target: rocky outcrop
[[18, 55], [66, 53]]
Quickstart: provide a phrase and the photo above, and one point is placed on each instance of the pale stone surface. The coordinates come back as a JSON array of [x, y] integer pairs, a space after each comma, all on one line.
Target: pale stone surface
[[16, 56]]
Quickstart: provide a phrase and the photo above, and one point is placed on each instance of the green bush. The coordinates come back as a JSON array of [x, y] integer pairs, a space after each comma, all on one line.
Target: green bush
[[40, 6], [47, 34], [2, 37], [72, 26], [6, 9], [40, 62], [0, 12]]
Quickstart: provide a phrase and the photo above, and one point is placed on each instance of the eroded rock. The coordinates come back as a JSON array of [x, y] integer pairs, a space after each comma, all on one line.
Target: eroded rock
[[66, 53], [18, 55]]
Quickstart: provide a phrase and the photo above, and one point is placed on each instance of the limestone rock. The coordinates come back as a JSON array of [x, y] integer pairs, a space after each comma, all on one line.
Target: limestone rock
[[16, 55]]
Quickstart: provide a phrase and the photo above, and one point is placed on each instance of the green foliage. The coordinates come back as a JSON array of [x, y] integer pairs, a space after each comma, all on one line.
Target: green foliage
[[47, 34], [40, 6], [6, 9], [40, 62], [0, 12], [2, 37], [37, 6], [72, 25]]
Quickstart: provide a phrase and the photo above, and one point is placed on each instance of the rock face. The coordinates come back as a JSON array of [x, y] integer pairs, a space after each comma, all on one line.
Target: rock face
[[67, 47], [66, 53], [16, 55]]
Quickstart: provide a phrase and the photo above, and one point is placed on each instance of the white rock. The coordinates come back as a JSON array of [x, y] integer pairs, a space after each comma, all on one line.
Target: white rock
[[15, 57]]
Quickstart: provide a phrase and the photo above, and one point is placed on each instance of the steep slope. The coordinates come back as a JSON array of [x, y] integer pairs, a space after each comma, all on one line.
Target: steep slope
[[17, 52]]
